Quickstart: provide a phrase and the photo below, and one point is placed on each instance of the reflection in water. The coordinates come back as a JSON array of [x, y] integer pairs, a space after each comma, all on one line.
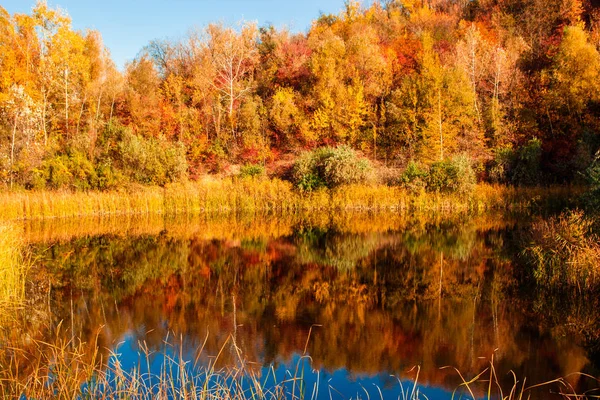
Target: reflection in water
[[381, 293]]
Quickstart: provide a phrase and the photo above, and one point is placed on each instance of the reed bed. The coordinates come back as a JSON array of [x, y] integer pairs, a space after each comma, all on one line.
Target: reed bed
[[266, 195], [72, 369], [564, 252], [13, 269]]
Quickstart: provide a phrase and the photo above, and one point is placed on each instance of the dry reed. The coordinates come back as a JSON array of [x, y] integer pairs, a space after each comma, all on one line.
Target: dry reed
[[12, 268], [264, 195], [67, 369]]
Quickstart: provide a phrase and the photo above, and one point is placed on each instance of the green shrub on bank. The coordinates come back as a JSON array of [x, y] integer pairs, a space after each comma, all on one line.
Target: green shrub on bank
[[591, 199], [330, 167], [152, 161], [73, 171], [414, 177], [519, 167], [119, 157], [500, 167], [454, 175], [527, 164], [252, 171]]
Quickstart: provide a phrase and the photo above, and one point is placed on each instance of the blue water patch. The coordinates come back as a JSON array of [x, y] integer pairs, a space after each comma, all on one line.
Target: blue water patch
[[295, 378]]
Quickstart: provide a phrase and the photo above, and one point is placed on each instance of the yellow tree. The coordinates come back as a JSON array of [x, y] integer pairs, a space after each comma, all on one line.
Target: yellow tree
[[449, 118], [143, 96], [577, 71], [287, 118], [339, 102]]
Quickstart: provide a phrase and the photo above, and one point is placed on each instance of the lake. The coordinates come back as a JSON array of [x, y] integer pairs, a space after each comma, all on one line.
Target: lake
[[357, 304]]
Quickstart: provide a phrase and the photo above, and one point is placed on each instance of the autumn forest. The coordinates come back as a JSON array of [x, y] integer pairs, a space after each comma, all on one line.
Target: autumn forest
[[405, 195], [510, 86]]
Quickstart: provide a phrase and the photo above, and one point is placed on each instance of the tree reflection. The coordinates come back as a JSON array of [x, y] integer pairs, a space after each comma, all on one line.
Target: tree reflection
[[429, 293]]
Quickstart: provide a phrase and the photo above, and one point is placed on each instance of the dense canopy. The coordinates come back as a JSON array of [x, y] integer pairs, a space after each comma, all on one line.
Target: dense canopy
[[512, 85]]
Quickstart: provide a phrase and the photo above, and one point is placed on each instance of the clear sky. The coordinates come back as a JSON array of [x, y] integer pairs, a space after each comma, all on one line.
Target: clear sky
[[128, 25]]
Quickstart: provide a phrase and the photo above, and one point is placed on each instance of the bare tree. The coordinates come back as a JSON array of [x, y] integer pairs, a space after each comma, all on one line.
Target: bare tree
[[232, 56]]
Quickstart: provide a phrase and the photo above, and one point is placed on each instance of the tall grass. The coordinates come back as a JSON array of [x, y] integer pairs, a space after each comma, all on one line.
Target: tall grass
[[265, 195], [12, 268], [564, 252], [72, 369]]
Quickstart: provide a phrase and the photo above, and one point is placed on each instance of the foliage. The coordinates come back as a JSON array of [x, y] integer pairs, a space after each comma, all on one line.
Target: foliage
[[414, 177], [397, 82], [330, 167], [500, 167], [452, 176], [527, 170], [252, 171], [152, 161], [591, 199]]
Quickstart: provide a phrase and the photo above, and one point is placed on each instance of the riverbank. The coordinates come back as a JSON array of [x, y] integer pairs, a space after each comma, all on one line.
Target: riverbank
[[264, 195]]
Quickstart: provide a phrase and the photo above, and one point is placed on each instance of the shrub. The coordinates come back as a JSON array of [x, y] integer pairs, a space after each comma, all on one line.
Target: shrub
[[526, 170], [73, 170], [591, 199], [55, 171], [500, 167], [121, 154], [330, 167], [414, 177], [452, 176], [152, 161], [564, 252], [252, 171], [108, 176]]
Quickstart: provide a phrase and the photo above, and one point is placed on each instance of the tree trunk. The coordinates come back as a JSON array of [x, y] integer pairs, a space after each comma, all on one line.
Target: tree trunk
[[12, 148], [67, 102], [80, 113], [440, 120], [98, 105], [45, 94], [112, 105]]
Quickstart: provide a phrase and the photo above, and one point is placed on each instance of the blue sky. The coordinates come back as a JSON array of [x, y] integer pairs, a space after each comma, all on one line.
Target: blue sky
[[128, 25]]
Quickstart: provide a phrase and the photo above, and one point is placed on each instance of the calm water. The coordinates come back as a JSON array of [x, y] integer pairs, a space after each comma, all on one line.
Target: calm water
[[367, 297]]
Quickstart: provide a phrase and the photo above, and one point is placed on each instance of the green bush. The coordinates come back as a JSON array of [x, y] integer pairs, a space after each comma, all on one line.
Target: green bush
[[82, 171], [152, 161], [527, 169], [452, 176], [591, 199], [73, 171], [108, 176], [305, 174], [330, 167], [414, 177], [252, 171], [500, 167], [55, 171]]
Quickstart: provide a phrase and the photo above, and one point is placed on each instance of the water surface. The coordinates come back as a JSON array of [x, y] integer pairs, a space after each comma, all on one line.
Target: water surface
[[367, 297]]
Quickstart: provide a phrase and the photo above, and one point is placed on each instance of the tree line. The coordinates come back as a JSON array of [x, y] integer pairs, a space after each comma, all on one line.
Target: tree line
[[513, 86]]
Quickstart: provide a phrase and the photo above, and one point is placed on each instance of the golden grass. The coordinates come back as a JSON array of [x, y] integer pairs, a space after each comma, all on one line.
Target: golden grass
[[72, 369], [12, 268], [564, 251], [264, 195]]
